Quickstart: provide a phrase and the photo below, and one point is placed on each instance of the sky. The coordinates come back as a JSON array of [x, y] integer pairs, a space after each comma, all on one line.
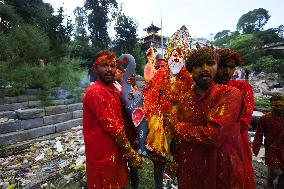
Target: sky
[[203, 18]]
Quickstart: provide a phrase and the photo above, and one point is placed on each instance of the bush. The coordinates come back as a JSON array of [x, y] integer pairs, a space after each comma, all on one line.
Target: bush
[[261, 102], [65, 74], [265, 64], [24, 43]]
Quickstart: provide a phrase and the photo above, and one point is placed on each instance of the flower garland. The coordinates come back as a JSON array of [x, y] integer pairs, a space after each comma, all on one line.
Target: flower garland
[[174, 86], [165, 91]]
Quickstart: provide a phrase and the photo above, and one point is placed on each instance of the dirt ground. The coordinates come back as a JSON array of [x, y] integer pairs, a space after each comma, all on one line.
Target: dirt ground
[[65, 169], [147, 180], [260, 174]]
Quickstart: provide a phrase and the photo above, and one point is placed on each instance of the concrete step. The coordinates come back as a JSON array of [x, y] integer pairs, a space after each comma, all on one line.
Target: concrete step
[[11, 105], [18, 125], [24, 135], [16, 110]]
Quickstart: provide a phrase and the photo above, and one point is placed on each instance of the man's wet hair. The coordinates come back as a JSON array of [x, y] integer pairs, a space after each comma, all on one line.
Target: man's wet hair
[[104, 55], [227, 55], [200, 56]]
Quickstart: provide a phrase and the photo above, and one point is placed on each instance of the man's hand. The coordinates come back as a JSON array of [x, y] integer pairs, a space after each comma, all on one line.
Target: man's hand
[[136, 161], [132, 80], [129, 154]]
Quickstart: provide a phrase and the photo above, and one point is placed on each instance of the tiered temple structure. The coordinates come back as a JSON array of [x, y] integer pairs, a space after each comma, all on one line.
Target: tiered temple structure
[[153, 39]]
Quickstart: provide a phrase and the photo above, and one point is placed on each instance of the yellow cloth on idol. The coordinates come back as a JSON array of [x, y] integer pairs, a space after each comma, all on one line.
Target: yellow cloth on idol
[[157, 139]]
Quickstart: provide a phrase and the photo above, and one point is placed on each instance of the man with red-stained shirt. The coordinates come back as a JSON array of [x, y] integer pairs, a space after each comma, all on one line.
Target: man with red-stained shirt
[[271, 126], [206, 126], [229, 60], [107, 147]]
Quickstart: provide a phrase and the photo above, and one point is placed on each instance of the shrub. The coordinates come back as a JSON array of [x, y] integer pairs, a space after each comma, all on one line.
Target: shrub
[[65, 73], [261, 102]]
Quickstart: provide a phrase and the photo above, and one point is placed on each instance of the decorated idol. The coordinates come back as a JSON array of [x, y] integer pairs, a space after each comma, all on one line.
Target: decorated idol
[[167, 86]]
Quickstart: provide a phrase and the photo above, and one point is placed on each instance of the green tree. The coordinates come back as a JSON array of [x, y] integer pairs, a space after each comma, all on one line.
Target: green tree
[[126, 40], [249, 46], [59, 34], [222, 34], [30, 31], [253, 21], [269, 36], [280, 31], [80, 24], [41, 15], [139, 58], [33, 12], [8, 17], [99, 12], [224, 41], [126, 34], [24, 43], [80, 47], [269, 64]]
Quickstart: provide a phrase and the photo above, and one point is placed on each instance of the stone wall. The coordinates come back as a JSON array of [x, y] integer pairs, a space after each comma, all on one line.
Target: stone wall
[[22, 121]]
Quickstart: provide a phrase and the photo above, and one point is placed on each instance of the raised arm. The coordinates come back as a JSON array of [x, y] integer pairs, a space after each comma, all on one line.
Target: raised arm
[[220, 123]]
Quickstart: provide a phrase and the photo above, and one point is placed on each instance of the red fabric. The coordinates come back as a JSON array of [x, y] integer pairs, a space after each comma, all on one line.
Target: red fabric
[[160, 97], [247, 91], [272, 128], [208, 130], [130, 130], [102, 121]]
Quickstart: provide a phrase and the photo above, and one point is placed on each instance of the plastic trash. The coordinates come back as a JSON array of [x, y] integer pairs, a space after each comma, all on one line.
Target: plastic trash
[[58, 146], [39, 157], [81, 151]]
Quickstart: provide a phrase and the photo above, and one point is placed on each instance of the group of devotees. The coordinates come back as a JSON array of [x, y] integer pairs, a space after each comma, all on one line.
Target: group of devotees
[[198, 120]]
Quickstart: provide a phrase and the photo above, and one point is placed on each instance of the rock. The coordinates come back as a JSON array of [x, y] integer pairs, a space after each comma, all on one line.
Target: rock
[[57, 118], [32, 91], [10, 100], [33, 104], [69, 101], [52, 110], [14, 106], [25, 135], [10, 126], [67, 125], [74, 107], [77, 114], [57, 102], [30, 113], [31, 123], [23, 98], [8, 114]]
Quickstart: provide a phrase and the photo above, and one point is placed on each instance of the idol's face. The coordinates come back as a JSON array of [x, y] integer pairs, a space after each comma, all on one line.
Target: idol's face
[[176, 61]]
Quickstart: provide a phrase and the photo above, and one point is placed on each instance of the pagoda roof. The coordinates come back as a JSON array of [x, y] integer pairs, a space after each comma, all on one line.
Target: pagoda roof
[[151, 35], [152, 28]]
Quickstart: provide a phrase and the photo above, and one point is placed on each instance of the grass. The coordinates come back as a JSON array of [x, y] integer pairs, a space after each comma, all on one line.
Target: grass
[[147, 175], [261, 102], [146, 179], [3, 146]]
